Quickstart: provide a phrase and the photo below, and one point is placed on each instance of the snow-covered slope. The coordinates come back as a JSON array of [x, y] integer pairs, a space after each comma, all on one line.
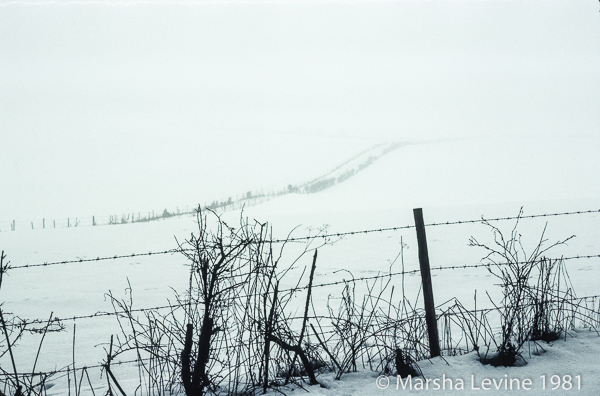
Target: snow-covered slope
[[464, 172]]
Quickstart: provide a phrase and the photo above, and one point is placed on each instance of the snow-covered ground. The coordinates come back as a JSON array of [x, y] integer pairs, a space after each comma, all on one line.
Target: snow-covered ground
[[450, 180], [573, 361]]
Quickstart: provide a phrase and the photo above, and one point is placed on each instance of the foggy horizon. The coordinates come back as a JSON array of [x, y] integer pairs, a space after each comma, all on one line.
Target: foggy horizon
[[106, 107]]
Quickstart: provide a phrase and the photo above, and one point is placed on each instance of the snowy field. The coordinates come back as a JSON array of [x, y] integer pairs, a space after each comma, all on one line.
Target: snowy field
[[114, 108], [451, 181]]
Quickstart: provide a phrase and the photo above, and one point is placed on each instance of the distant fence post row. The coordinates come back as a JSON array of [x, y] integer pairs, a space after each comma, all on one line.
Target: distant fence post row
[[106, 220], [13, 225]]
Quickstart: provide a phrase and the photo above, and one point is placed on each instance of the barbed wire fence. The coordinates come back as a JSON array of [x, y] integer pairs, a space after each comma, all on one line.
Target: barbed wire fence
[[308, 238], [19, 323]]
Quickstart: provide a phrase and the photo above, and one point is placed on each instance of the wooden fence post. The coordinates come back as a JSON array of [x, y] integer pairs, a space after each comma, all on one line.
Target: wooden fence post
[[434, 341]]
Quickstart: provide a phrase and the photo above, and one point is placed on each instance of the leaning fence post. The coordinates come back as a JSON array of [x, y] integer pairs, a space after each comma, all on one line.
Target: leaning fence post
[[434, 343]]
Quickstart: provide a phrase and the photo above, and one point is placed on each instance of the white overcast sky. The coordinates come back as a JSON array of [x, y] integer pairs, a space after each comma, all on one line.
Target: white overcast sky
[[109, 107]]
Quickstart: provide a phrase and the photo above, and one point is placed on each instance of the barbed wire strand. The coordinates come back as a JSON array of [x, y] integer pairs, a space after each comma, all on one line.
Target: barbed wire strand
[[82, 260]]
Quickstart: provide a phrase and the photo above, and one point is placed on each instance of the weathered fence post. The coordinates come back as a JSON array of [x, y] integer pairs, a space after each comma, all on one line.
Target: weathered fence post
[[93, 220], [434, 342]]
